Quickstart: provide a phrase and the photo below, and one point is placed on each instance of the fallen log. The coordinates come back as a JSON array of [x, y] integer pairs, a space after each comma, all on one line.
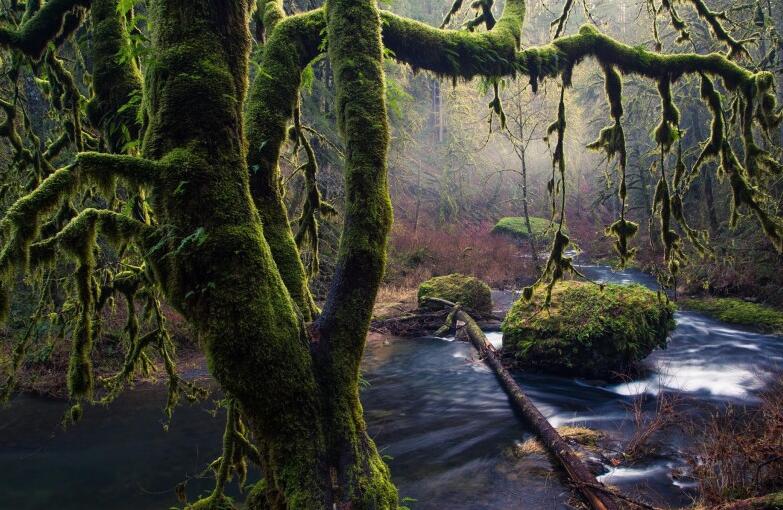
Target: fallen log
[[576, 470], [421, 322]]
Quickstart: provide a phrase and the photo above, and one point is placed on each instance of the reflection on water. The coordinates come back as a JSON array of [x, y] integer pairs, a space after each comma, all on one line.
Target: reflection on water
[[438, 415], [118, 457]]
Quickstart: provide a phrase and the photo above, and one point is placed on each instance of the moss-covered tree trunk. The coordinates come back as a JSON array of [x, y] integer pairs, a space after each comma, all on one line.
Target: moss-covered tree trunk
[[299, 392], [222, 275], [356, 55]]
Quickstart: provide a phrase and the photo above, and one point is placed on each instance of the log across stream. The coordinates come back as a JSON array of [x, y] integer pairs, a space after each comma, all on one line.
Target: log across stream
[[596, 494], [436, 411]]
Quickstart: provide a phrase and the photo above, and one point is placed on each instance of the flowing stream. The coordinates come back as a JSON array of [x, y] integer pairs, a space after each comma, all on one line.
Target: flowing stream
[[437, 414]]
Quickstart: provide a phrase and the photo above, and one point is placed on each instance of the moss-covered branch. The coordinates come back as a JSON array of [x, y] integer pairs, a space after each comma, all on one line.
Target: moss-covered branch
[[23, 219], [554, 58], [116, 79], [293, 44], [55, 21], [459, 54]]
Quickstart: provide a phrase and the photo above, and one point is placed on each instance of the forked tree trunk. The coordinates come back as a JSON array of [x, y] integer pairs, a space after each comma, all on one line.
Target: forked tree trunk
[[217, 267]]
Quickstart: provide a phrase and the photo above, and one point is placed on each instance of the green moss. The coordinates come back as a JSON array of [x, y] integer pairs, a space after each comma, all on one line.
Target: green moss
[[516, 227], [115, 78], [587, 331], [213, 502], [54, 22], [274, 94], [737, 311], [457, 288], [775, 500]]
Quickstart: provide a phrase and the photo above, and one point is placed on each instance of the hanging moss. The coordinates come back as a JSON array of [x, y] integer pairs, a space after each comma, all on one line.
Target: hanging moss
[[711, 149], [667, 132], [588, 330], [55, 21], [611, 141]]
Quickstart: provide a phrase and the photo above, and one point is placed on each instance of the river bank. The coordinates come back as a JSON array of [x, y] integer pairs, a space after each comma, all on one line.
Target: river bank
[[435, 411]]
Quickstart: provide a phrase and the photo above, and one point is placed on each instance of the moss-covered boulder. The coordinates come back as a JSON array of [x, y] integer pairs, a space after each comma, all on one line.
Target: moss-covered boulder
[[587, 331], [516, 228], [458, 288]]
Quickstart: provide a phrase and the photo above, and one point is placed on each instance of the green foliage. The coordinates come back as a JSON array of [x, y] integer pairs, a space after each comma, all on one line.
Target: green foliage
[[587, 330], [738, 311], [516, 227], [468, 291]]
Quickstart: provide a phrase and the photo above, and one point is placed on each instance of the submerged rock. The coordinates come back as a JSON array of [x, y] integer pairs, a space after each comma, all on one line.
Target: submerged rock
[[587, 331], [469, 291]]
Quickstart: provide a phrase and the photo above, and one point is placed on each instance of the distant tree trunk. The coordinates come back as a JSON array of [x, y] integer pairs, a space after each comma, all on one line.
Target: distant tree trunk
[[520, 147], [709, 200], [436, 119], [418, 201], [531, 235]]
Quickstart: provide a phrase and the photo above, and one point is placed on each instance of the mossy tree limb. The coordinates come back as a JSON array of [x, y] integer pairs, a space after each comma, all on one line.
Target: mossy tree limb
[[274, 93], [116, 79], [458, 54], [361, 478], [54, 21]]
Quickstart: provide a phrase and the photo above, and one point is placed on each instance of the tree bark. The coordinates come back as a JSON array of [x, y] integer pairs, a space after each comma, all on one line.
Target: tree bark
[[217, 267], [297, 387]]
